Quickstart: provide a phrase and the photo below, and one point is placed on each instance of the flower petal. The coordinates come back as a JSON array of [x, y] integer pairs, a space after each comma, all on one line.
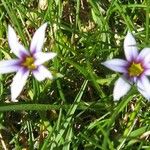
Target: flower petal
[[14, 44], [143, 86], [130, 47], [117, 65], [121, 88], [7, 66], [41, 57], [38, 39], [18, 83], [41, 73], [144, 56], [147, 71]]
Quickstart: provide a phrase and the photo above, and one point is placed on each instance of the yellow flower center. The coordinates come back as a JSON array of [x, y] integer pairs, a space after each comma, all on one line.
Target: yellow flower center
[[29, 63], [135, 69]]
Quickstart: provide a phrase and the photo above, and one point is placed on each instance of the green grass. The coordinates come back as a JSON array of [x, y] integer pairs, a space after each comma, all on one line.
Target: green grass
[[75, 110]]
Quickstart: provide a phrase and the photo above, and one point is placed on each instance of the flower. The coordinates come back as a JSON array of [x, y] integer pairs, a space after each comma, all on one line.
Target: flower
[[135, 69], [27, 61]]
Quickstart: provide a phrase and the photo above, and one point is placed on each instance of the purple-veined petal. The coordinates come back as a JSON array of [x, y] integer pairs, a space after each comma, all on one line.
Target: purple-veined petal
[[14, 44], [143, 86], [130, 80], [144, 56], [144, 93], [8, 66], [41, 57], [121, 88], [134, 79], [147, 71], [18, 83], [117, 65], [38, 39], [41, 73], [130, 47]]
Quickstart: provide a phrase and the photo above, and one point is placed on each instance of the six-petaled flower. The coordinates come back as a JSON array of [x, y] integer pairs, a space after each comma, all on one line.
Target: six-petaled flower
[[135, 69], [27, 61]]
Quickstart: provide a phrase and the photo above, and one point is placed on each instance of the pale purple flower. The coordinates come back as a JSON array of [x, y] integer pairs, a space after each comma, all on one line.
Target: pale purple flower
[[135, 69], [27, 61]]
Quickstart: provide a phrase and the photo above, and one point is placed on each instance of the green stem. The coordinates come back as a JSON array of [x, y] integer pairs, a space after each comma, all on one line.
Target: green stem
[[43, 107]]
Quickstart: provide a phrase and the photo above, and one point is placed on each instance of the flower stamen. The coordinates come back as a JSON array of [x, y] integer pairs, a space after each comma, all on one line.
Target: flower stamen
[[135, 69], [29, 63]]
